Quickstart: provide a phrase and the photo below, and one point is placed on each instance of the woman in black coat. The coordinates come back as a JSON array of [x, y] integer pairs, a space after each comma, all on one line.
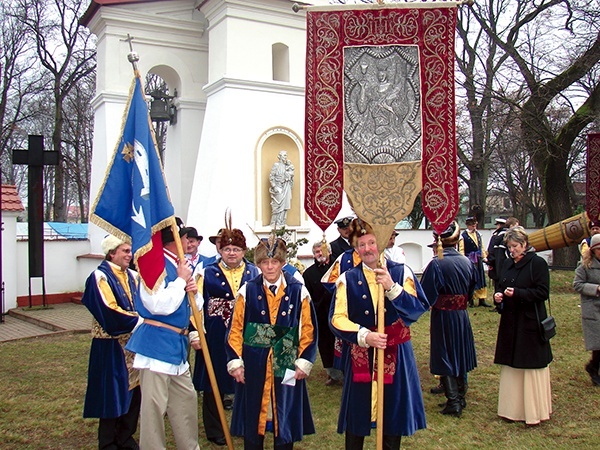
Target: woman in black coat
[[523, 287]]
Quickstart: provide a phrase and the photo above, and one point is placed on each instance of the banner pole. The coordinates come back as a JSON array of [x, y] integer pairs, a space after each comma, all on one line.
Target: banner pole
[[207, 360]]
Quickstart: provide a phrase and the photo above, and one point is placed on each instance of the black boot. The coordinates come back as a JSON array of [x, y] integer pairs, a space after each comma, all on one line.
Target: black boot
[[439, 389], [452, 407], [592, 369], [471, 303], [463, 386], [483, 303]]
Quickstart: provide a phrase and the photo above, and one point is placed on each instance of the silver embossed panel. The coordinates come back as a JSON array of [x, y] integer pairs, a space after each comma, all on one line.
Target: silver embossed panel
[[382, 104]]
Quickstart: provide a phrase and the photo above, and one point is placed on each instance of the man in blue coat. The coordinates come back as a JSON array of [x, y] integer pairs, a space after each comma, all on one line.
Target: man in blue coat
[[113, 393], [448, 282], [271, 348], [219, 284], [353, 319]]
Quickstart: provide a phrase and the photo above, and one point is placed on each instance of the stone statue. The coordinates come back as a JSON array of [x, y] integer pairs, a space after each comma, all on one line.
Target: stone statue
[[282, 180]]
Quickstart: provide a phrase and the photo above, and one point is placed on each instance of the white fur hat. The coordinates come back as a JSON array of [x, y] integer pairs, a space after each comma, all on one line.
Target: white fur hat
[[109, 243]]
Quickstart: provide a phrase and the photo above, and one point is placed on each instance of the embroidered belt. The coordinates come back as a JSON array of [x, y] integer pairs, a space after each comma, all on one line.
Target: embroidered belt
[[397, 333], [451, 302], [283, 341], [156, 323]]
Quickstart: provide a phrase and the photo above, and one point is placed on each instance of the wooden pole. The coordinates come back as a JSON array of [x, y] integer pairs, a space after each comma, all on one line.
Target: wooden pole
[[200, 326], [380, 358]]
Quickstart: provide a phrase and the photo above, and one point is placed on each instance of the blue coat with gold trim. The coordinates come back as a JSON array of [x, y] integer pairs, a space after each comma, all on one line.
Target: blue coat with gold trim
[[292, 415], [404, 411], [218, 308]]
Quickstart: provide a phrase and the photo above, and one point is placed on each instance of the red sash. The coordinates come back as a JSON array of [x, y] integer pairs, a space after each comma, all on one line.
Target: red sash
[[398, 333], [451, 302]]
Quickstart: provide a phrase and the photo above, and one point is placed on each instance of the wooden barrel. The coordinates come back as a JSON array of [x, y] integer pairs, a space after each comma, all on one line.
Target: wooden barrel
[[568, 232]]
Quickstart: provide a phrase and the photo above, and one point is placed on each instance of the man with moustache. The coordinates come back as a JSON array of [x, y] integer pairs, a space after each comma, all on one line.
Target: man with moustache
[[353, 318]]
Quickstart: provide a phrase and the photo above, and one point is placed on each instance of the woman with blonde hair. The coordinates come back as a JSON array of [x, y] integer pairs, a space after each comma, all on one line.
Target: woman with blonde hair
[[524, 356], [587, 283]]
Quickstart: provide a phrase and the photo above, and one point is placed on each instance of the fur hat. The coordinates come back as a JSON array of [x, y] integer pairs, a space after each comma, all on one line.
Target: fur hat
[[110, 243], [271, 247], [233, 237], [358, 228], [450, 236], [595, 242]]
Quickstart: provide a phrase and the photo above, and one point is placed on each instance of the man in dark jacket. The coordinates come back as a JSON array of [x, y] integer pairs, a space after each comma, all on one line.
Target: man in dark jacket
[[322, 300], [341, 244]]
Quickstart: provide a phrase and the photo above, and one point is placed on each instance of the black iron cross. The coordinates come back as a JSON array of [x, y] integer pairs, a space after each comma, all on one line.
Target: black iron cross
[[35, 158]]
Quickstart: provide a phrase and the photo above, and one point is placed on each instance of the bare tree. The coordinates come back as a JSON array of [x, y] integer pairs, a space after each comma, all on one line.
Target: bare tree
[[65, 50], [548, 82]]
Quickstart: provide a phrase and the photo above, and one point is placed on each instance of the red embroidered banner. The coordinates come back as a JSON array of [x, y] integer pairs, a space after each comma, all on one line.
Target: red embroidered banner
[[592, 187], [380, 89]]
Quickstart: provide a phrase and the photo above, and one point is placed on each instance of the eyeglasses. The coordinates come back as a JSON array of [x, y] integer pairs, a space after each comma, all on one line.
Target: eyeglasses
[[232, 250]]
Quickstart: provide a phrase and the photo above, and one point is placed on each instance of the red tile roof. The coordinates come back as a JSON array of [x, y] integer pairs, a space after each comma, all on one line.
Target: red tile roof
[[10, 199]]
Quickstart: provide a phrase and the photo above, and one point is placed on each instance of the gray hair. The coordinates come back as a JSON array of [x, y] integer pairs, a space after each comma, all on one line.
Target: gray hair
[[319, 244], [516, 234]]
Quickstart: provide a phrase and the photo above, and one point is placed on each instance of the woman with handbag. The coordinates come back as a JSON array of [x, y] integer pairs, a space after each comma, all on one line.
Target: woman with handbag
[[587, 283], [521, 349]]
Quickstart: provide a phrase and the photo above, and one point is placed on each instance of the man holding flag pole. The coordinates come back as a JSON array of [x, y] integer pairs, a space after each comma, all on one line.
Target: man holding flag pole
[[133, 204]]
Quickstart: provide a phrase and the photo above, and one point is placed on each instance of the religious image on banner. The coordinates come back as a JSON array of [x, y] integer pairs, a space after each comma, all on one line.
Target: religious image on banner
[[380, 112], [382, 115]]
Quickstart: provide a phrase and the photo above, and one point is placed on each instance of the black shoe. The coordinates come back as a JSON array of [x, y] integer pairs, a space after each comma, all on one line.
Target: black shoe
[[494, 309], [483, 303], [439, 389], [220, 441], [228, 404], [471, 304]]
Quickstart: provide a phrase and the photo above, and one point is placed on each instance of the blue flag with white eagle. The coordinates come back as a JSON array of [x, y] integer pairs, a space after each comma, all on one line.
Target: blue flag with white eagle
[[133, 203]]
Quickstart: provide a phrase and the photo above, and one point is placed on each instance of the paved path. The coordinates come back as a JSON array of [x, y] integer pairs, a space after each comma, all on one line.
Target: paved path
[[21, 323]]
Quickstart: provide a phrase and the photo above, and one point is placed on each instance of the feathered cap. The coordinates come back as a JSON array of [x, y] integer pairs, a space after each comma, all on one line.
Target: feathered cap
[[358, 228], [271, 247], [232, 236]]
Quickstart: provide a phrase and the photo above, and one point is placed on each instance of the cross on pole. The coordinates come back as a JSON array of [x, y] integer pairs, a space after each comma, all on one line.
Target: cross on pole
[[36, 158]]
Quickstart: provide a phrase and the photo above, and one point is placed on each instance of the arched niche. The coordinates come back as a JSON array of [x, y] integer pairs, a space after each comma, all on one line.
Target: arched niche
[[269, 146], [281, 62]]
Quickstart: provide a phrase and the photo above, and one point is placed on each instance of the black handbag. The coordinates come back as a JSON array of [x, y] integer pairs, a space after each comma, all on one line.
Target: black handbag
[[548, 325]]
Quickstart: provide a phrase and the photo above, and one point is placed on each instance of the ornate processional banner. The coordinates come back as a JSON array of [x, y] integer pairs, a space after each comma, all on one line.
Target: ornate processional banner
[[592, 190], [379, 91]]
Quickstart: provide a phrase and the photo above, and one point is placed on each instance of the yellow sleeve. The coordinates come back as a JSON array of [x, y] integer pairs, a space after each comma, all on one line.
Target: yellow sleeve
[[461, 246], [307, 328], [109, 297], [236, 333], [340, 319]]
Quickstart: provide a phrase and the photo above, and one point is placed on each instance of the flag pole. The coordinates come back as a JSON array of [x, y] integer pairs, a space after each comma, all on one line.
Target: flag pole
[[381, 4], [204, 346], [133, 58]]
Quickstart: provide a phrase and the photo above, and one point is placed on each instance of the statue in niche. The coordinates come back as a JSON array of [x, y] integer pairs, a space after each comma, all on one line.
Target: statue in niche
[[282, 180]]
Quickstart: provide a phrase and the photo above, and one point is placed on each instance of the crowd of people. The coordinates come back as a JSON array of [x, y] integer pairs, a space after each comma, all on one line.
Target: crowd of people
[[263, 324]]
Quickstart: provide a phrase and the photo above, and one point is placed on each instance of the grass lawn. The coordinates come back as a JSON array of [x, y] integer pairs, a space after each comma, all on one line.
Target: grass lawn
[[42, 385]]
